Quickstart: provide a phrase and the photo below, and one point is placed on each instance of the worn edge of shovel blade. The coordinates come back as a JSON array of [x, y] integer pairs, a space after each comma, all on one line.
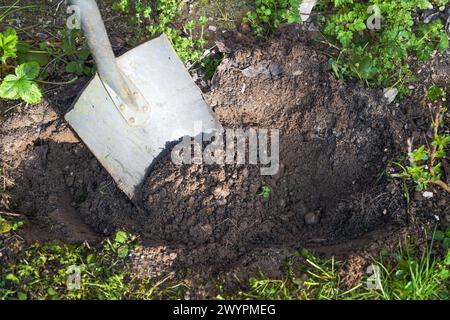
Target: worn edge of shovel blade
[[127, 152]]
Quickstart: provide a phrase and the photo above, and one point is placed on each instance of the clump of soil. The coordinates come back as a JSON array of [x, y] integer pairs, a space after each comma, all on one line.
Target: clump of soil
[[335, 141]]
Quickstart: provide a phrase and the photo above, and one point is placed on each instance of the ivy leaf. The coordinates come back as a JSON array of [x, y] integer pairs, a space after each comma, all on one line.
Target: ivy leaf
[[8, 44], [21, 85]]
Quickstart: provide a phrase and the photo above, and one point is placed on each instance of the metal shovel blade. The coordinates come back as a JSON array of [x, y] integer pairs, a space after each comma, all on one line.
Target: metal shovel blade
[[176, 103]]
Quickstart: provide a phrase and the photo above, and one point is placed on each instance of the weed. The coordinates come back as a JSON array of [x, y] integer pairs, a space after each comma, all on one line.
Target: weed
[[443, 237], [270, 14], [380, 56], [267, 289], [62, 271], [403, 275], [323, 278], [411, 278], [158, 17], [210, 64], [425, 166], [7, 226], [265, 191], [71, 53]]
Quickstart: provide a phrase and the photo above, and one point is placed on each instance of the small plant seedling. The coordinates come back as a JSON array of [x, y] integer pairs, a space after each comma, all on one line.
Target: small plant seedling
[[270, 14], [444, 238], [265, 191], [7, 226], [210, 64], [70, 53], [425, 166]]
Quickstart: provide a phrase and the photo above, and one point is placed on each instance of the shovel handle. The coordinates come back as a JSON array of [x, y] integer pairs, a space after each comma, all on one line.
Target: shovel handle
[[95, 32]]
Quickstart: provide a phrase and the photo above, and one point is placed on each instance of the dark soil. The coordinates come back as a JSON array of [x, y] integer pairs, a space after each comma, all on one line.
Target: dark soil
[[332, 192]]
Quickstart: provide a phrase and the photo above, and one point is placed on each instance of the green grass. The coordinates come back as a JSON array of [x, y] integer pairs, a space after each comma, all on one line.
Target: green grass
[[6, 11], [404, 275], [51, 271], [61, 271]]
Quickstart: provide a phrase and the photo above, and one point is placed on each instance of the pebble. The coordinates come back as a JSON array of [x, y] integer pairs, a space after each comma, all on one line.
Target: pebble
[[312, 218], [390, 94], [428, 195]]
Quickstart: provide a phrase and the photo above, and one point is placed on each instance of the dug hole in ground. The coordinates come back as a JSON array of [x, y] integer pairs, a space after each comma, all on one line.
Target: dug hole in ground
[[331, 195]]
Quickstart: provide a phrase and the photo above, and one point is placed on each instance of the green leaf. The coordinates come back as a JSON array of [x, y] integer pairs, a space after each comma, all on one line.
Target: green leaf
[[42, 58], [11, 277], [28, 70], [23, 47], [83, 54], [446, 244], [73, 67], [5, 227], [443, 42], [439, 235], [22, 85], [31, 94], [22, 296], [435, 92], [123, 251], [8, 88], [8, 44], [447, 258], [121, 237], [366, 68]]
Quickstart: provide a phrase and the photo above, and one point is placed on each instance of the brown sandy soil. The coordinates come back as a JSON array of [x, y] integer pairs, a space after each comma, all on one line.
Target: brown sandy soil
[[332, 193]]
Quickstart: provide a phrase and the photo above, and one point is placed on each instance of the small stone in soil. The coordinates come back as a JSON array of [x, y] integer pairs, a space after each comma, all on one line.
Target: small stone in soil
[[312, 218]]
